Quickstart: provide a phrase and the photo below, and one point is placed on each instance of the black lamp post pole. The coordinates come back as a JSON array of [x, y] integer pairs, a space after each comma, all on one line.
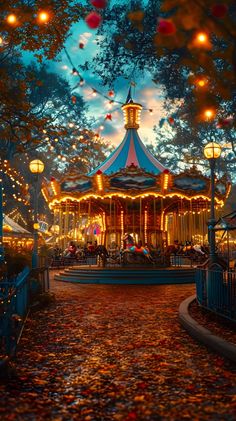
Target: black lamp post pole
[[35, 220], [212, 220]]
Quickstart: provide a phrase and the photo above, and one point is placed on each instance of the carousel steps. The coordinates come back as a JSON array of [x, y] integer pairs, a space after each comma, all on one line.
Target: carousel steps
[[132, 276]]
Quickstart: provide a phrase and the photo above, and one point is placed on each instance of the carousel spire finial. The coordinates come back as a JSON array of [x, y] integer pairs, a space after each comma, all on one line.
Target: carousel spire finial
[[131, 112], [129, 97]]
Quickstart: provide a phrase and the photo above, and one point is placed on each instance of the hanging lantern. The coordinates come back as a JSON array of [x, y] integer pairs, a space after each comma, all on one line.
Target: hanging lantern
[[73, 99], [219, 10], [81, 45], [224, 122], [99, 4], [166, 27], [108, 117], [93, 20]]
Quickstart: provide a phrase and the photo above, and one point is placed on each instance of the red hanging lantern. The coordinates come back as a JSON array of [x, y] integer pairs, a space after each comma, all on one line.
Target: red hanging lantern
[[81, 45], [93, 20], [99, 4], [166, 27], [73, 99], [171, 120], [219, 10], [223, 122], [111, 93], [108, 117]]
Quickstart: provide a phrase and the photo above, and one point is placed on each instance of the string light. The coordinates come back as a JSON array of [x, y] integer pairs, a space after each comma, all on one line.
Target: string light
[[43, 17], [12, 19], [201, 39], [201, 82], [209, 114]]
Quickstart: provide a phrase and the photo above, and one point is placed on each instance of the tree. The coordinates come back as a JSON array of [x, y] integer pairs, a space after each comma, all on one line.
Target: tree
[[162, 38]]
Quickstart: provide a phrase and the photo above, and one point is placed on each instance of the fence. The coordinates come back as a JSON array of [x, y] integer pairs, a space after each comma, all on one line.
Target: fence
[[16, 297], [216, 291]]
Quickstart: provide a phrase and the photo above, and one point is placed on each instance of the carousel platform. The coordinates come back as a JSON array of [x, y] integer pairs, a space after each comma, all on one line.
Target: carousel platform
[[127, 275]]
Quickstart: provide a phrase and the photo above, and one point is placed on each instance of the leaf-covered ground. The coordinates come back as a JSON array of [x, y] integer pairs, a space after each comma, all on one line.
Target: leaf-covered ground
[[104, 353], [220, 326]]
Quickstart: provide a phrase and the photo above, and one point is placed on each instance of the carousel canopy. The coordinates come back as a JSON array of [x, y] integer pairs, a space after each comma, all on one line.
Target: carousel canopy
[[131, 151]]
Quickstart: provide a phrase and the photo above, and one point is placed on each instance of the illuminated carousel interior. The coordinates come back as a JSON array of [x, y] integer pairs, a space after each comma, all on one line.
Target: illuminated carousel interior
[[132, 192]]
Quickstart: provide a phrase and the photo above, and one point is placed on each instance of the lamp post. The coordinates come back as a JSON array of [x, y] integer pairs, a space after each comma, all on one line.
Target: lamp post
[[212, 151], [36, 167]]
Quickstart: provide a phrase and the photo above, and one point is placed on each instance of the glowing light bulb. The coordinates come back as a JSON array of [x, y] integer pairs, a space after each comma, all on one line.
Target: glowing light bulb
[[101, 127], [43, 17], [202, 38], [209, 114], [12, 19], [201, 83]]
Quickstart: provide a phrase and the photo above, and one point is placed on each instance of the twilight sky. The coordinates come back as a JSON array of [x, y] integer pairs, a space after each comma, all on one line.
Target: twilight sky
[[145, 91]]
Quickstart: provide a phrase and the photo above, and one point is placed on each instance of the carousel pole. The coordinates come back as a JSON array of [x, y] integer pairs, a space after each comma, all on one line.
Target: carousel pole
[[122, 226], [140, 216], [110, 225], [114, 208], [155, 221], [162, 225], [66, 223], [60, 225]]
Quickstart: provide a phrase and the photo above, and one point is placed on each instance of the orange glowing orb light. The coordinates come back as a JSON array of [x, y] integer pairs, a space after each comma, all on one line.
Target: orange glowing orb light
[[12, 19], [201, 82], [209, 114], [43, 17], [202, 38]]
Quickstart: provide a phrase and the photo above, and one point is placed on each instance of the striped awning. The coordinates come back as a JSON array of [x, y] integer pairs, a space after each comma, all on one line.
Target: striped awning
[[131, 151]]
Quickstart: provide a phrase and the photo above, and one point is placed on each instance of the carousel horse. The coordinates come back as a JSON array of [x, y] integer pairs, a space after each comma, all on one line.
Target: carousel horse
[[101, 252], [133, 251], [194, 252], [173, 249]]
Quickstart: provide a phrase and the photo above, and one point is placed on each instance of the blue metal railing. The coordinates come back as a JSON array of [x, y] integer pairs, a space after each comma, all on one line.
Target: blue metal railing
[[15, 299], [216, 291]]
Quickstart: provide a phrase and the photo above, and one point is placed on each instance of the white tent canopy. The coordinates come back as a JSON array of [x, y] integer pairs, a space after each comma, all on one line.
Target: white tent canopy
[[16, 228]]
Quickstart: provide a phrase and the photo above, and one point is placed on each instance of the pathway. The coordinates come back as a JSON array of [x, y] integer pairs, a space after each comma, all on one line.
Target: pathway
[[106, 353]]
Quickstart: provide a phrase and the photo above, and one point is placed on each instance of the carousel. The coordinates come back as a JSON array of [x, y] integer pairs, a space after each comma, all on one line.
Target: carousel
[[131, 192]]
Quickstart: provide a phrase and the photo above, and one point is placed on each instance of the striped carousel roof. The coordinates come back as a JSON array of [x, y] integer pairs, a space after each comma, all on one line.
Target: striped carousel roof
[[131, 151]]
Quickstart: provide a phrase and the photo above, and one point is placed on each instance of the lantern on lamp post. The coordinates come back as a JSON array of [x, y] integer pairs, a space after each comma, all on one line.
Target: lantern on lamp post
[[36, 167], [212, 152]]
